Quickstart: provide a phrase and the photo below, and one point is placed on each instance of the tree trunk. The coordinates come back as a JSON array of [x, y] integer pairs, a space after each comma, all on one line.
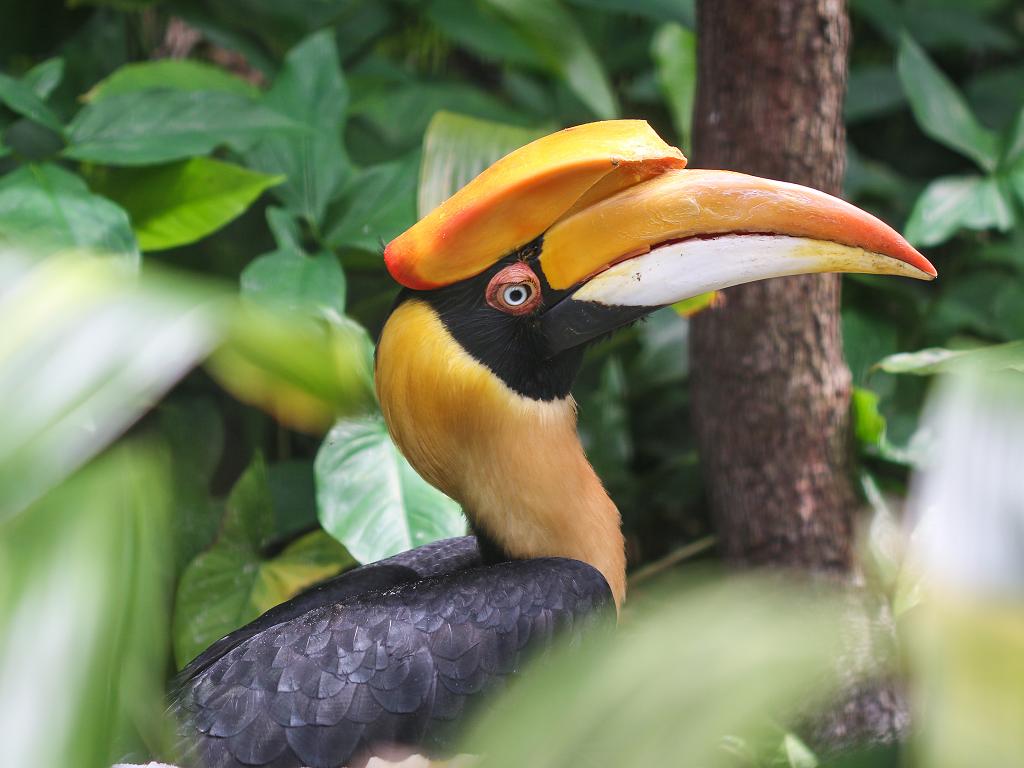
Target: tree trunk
[[771, 389]]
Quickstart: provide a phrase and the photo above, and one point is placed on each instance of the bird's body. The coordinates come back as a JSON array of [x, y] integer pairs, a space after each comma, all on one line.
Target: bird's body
[[390, 655], [505, 283]]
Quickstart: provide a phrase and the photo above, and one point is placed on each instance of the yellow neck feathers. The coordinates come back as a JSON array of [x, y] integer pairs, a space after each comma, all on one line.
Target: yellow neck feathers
[[514, 464]]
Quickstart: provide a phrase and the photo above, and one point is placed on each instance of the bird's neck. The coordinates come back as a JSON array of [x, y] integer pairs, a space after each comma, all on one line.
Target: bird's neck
[[514, 463]]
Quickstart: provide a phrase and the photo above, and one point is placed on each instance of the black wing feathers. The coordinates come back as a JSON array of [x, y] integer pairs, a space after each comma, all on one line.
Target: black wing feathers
[[392, 667]]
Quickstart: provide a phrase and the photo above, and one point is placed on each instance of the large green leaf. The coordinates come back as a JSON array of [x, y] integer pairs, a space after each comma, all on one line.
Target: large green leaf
[[674, 48], [953, 202], [148, 127], [563, 47], [47, 208], [940, 109], [312, 90], [298, 282], [233, 582], [83, 628], [21, 98], [85, 351], [378, 205], [372, 500], [179, 203], [170, 74], [456, 148]]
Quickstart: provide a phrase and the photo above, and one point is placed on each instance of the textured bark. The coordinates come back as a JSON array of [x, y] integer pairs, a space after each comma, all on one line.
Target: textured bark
[[771, 389]]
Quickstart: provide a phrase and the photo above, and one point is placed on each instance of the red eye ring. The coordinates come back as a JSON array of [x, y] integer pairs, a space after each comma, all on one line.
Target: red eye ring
[[515, 290]]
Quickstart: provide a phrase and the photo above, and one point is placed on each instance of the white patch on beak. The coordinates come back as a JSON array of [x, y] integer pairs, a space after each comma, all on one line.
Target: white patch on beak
[[690, 267]]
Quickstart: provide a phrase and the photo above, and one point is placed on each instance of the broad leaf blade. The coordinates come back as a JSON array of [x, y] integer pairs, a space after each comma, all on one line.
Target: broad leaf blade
[[83, 635], [48, 209], [370, 498], [149, 127], [379, 205], [940, 109], [170, 74], [456, 148], [85, 352], [177, 204], [954, 202], [243, 582], [564, 49], [294, 281], [312, 90], [21, 98]]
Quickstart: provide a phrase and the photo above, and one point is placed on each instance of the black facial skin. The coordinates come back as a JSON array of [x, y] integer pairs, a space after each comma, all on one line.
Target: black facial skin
[[513, 347]]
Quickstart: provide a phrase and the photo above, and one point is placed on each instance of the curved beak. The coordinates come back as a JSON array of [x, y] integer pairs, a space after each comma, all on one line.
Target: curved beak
[[686, 232]]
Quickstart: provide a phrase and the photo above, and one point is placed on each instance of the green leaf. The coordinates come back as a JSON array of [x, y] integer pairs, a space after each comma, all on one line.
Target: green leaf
[[370, 498], [21, 98], [480, 29], [939, 108], [310, 90], [739, 650], [290, 279], [926, 362], [954, 202], [563, 48], [86, 350], [691, 306], [378, 205], [285, 229], [305, 372], [398, 111], [47, 209], [179, 203], [44, 77], [232, 583], [85, 576], [1014, 151], [868, 422], [149, 127], [674, 49], [170, 74], [456, 148]]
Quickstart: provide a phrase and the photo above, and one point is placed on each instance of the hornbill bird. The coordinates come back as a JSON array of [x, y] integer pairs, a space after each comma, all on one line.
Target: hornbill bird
[[504, 284]]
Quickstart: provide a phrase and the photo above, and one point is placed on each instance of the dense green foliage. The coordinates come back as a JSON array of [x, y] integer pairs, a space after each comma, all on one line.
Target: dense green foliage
[[267, 169]]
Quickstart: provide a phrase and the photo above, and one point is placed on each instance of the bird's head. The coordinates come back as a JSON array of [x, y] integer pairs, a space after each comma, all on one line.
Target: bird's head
[[553, 246]]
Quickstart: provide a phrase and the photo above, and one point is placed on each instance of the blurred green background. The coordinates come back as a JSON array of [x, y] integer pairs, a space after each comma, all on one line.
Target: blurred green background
[[190, 435]]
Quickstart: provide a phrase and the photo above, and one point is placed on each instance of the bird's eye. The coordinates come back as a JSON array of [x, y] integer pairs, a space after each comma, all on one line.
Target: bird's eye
[[515, 290], [517, 294]]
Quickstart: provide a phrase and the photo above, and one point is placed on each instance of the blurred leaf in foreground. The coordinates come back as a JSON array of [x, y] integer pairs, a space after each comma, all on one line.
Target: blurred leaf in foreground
[[86, 350], [83, 606], [967, 639], [706, 661]]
